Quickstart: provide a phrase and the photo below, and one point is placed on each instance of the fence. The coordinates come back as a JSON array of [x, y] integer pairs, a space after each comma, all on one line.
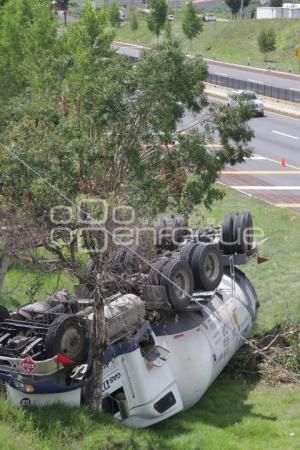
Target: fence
[[260, 88]]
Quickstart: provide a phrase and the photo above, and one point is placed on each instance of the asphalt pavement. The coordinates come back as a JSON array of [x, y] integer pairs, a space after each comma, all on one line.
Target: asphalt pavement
[[255, 75], [273, 173]]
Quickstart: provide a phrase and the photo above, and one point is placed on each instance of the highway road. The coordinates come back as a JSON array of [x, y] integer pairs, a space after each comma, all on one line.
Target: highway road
[[276, 141], [250, 74], [267, 77], [276, 144], [273, 174]]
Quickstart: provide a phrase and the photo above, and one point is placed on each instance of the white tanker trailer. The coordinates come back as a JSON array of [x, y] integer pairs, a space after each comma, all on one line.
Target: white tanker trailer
[[167, 345]]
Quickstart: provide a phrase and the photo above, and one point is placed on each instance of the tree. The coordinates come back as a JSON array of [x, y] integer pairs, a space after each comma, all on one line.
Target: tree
[[192, 24], [134, 22], [266, 40], [89, 125], [235, 6], [158, 16], [114, 15], [63, 5]]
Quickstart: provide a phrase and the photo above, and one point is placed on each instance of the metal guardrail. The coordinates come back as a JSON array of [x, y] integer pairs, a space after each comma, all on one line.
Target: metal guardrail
[[260, 88]]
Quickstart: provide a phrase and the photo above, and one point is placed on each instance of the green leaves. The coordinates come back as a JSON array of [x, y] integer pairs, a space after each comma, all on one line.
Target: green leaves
[[266, 40], [191, 24], [157, 18]]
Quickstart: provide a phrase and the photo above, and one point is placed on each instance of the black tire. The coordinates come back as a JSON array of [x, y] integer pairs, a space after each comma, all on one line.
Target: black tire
[[186, 252], [67, 335], [248, 232], [4, 313], [239, 229], [156, 269], [227, 237], [207, 267], [133, 262], [178, 273]]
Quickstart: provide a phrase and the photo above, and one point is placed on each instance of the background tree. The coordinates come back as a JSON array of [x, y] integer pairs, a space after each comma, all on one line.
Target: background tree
[[168, 29], [134, 24], [276, 3], [114, 15], [191, 24], [235, 6], [266, 40], [157, 18], [63, 5]]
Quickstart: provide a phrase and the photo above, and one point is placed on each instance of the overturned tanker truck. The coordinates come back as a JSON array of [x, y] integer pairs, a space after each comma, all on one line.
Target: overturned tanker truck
[[168, 340]]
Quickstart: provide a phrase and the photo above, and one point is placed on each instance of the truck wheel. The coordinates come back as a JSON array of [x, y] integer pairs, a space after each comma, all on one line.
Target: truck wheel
[[179, 282], [155, 275], [248, 230], [227, 239], [186, 252], [4, 313], [240, 227], [207, 266], [67, 335]]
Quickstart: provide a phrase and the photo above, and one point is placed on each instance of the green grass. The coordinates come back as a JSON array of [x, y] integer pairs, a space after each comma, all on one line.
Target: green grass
[[21, 278], [232, 415], [233, 41]]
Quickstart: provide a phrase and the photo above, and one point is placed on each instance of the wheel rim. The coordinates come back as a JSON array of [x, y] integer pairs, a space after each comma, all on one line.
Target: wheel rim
[[211, 266], [180, 281], [71, 342]]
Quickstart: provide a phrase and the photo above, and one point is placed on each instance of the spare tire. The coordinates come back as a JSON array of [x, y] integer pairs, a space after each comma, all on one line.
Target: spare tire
[[179, 282], [4, 313], [207, 266], [227, 237], [67, 335], [136, 259]]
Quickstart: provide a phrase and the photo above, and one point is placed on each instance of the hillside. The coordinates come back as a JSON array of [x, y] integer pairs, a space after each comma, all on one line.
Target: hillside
[[233, 41]]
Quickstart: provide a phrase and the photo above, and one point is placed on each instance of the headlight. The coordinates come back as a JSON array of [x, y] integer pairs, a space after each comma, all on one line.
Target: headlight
[[29, 388]]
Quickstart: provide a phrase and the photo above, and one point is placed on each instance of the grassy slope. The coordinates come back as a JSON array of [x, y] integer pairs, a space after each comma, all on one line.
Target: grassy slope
[[232, 415], [233, 41]]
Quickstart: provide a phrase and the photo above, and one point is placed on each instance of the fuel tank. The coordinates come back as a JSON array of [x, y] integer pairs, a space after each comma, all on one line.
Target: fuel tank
[[202, 342]]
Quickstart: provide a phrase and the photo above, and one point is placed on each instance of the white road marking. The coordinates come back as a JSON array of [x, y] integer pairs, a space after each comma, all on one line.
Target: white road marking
[[254, 81], [258, 157], [279, 162], [267, 188], [284, 134], [287, 205]]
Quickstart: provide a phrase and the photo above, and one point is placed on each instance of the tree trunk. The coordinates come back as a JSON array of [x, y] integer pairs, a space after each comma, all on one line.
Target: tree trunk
[[4, 263], [98, 347], [65, 18]]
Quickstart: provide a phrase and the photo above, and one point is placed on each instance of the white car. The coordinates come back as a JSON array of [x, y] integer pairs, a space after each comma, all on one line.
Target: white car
[[209, 17], [170, 17], [236, 98]]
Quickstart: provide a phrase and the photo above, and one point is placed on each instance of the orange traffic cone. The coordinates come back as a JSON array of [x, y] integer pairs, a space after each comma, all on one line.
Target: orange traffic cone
[[283, 163]]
